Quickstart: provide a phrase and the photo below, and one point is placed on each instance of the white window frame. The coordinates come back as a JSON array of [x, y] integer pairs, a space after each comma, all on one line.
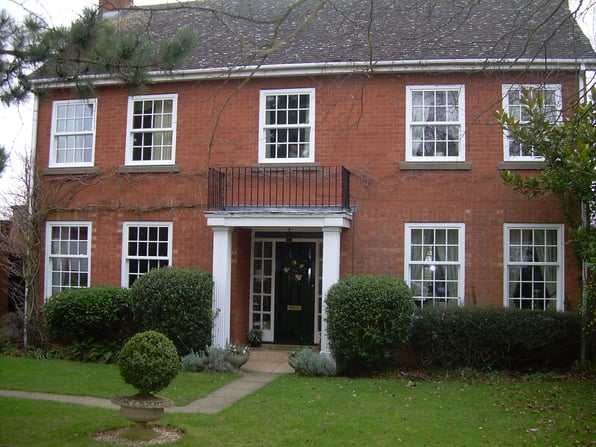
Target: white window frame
[[126, 258], [506, 88], [56, 134], [49, 255], [130, 131], [461, 262], [560, 264], [461, 122], [264, 128]]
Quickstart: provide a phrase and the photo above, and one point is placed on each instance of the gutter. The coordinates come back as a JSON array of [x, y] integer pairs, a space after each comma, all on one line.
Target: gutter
[[336, 68]]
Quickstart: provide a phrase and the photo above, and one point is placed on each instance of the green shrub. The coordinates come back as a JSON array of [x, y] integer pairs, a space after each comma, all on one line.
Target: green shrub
[[308, 363], [367, 317], [213, 359], [98, 313], [149, 361], [177, 303], [91, 350], [11, 327], [495, 338]]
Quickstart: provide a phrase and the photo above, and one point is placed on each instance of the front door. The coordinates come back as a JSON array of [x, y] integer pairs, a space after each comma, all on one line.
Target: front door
[[295, 267]]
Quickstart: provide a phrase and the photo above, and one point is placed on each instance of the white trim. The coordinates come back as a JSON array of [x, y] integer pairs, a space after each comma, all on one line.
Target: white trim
[[281, 220], [560, 258], [53, 163], [311, 126], [129, 129], [331, 274], [334, 68], [461, 227], [48, 250], [461, 156], [505, 89], [222, 286], [124, 258]]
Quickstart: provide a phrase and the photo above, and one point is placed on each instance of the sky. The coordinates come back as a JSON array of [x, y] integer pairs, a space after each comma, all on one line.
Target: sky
[[16, 121]]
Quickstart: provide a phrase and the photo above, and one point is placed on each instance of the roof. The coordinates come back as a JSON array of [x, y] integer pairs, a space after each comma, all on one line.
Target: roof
[[325, 35]]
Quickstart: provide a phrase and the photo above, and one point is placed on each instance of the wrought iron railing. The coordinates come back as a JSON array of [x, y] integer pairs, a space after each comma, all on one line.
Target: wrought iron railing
[[301, 187]]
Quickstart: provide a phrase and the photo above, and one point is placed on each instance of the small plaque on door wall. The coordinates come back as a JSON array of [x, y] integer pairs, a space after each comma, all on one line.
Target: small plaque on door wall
[[294, 307]]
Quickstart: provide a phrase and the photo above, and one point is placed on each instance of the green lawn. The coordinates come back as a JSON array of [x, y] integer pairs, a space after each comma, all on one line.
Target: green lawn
[[303, 411], [98, 380]]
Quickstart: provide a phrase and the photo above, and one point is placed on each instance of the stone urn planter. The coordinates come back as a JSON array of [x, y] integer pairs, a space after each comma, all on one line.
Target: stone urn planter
[[237, 355], [237, 360], [141, 408]]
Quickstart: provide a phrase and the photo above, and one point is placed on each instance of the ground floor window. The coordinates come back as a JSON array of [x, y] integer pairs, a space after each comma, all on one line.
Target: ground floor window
[[435, 263], [145, 246], [534, 266], [67, 255]]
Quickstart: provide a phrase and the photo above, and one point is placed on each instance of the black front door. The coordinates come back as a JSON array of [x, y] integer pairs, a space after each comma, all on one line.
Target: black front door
[[295, 292]]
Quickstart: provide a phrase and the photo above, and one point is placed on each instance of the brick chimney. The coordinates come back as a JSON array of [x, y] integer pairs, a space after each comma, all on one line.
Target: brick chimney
[[114, 5]]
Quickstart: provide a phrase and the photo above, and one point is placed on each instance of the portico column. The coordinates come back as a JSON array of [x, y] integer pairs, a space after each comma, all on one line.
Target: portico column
[[331, 258], [222, 278]]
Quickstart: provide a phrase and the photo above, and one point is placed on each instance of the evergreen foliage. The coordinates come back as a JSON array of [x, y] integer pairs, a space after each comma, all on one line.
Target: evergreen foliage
[[495, 338], [149, 361], [177, 303], [91, 45], [3, 158], [97, 313], [367, 317]]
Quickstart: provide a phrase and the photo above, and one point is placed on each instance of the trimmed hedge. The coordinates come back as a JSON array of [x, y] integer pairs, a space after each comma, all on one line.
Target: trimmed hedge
[[177, 303], [99, 313], [149, 361], [367, 317], [496, 338]]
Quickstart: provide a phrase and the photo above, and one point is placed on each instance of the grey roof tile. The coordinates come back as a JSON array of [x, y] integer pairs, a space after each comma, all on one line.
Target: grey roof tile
[[243, 32]]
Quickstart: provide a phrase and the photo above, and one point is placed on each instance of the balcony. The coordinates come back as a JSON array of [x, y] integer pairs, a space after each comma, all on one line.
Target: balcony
[[317, 188]]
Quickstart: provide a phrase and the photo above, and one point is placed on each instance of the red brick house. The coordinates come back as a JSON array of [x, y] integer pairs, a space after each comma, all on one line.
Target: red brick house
[[350, 138]]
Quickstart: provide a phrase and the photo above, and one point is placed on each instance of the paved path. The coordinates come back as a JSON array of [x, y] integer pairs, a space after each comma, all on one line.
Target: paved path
[[213, 403]]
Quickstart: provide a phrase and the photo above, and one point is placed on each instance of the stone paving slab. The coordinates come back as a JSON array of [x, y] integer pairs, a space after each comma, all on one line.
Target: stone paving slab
[[225, 396], [64, 398], [213, 403]]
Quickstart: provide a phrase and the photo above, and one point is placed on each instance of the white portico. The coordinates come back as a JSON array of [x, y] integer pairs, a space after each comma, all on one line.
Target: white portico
[[330, 225]]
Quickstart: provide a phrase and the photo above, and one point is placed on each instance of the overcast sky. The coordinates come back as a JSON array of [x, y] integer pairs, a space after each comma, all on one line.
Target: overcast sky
[[16, 122]]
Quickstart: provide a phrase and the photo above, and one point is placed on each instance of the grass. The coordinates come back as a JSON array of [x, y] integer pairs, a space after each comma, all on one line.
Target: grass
[[303, 411], [98, 380]]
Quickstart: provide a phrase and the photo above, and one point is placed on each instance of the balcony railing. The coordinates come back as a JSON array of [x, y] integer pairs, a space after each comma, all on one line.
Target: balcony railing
[[300, 187]]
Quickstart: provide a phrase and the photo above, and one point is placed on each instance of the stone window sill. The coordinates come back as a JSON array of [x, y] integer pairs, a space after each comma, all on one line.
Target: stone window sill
[[435, 166]]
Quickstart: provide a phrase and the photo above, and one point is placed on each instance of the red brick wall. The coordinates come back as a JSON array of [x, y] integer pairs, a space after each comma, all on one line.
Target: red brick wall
[[240, 285], [360, 123]]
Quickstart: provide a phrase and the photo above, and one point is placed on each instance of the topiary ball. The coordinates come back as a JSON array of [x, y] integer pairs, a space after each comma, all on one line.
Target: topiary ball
[[149, 361]]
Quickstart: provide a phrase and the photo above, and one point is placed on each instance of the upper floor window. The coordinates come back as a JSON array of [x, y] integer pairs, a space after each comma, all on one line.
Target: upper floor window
[[534, 266], [151, 130], [73, 133], [514, 107], [68, 253], [435, 263], [435, 119], [146, 245], [287, 126]]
